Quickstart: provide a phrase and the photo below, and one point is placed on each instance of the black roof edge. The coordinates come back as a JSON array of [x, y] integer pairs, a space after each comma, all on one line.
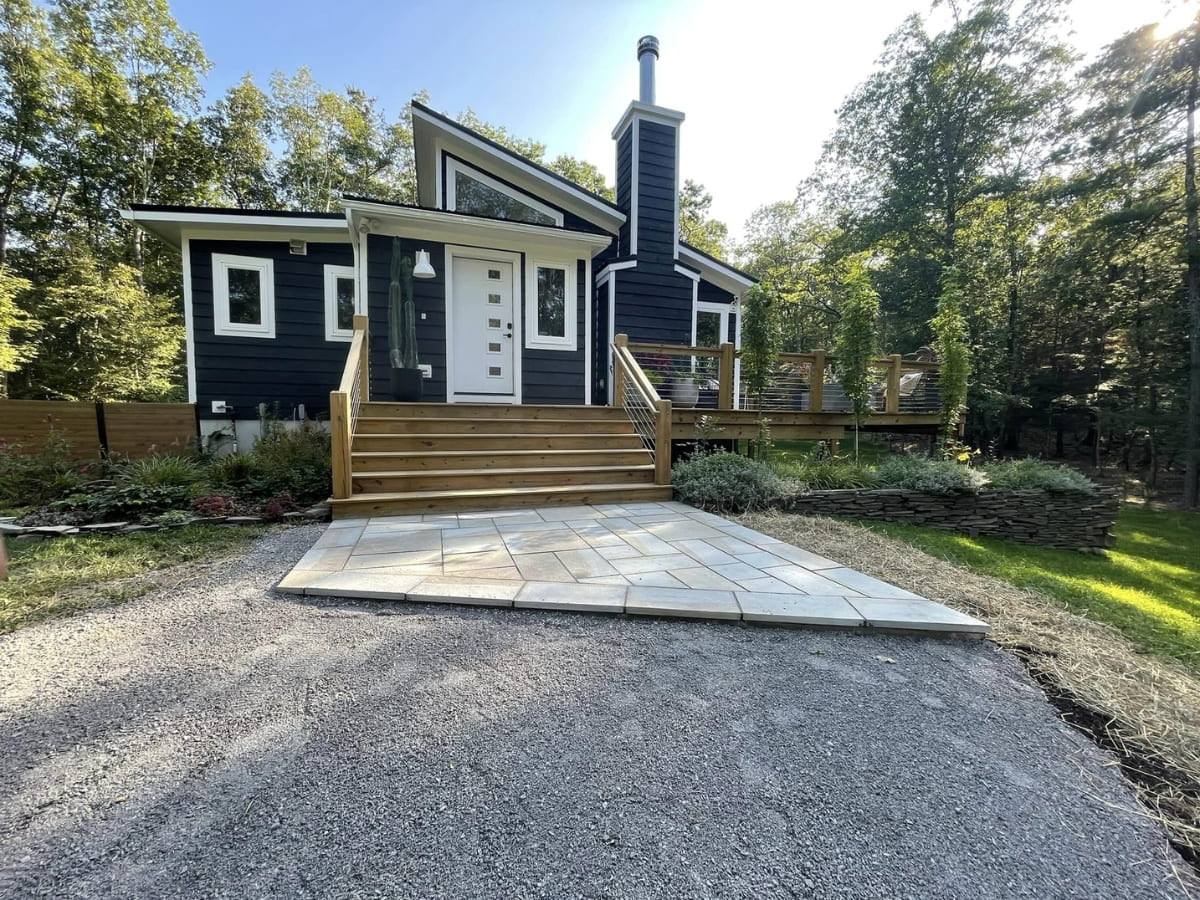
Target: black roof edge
[[237, 211], [501, 148], [719, 262]]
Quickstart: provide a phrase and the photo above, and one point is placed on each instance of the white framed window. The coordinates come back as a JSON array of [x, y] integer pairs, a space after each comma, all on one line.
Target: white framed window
[[471, 191], [340, 303], [550, 312], [243, 296], [710, 323]]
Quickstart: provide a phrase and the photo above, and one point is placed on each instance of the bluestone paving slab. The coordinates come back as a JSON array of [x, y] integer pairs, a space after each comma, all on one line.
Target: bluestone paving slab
[[656, 601], [798, 609], [645, 558], [918, 615], [582, 597]]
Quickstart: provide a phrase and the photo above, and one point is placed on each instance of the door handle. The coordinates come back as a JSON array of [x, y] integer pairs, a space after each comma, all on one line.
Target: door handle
[[508, 335]]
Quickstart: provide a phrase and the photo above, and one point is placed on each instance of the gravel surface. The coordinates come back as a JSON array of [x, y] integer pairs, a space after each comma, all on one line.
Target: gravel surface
[[222, 741]]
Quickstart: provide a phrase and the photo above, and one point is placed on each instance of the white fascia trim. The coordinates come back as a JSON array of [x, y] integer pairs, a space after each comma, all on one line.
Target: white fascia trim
[[633, 192], [265, 329], [649, 112], [518, 357], [454, 166], [332, 274], [722, 276], [607, 271], [589, 296], [675, 231], [437, 225], [570, 340], [189, 325], [578, 194], [736, 308], [687, 273], [612, 331], [172, 227]]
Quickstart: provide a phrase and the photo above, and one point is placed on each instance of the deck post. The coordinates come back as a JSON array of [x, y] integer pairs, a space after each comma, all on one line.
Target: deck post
[[816, 382], [891, 400], [662, 443], [725, 377], [622, 343], [362, 323], [339, 427]]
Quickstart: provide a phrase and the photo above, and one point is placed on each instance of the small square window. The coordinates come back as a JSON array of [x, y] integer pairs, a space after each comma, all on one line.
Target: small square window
[[494, 299], [493, 323], [493, 347], [494, 274], [493, 371], [243, 296]]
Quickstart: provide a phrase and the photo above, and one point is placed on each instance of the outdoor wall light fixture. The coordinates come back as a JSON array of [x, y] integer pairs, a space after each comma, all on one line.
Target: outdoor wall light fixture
[[423, 269]]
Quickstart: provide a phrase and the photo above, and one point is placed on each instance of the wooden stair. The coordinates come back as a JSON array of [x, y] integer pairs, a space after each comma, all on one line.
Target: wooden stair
[[437, 457]]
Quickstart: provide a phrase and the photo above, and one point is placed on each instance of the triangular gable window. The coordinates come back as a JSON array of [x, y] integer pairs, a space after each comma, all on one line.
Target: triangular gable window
[[470, 191]]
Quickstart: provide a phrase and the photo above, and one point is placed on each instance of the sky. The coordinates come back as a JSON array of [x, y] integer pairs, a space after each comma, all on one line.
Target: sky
[[759, 81]]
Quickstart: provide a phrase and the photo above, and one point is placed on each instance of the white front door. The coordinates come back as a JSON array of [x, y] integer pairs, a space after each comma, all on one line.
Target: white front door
[[483, 356]]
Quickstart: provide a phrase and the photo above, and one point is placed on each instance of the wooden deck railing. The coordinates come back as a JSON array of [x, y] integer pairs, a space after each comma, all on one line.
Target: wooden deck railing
[[650, 413], [354, 388], [800, 381]]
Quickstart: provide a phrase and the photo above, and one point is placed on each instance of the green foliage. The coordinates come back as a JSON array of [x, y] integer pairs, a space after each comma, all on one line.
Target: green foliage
[[402, 315], [695, 226], [163, 471], [293, 461], [725, 482], [825, 474], [237, 473], [950, 344], [1033, 474], [933, 476], [761, 340], [13, 322], [127, 500], [35, 476], [855, 337]]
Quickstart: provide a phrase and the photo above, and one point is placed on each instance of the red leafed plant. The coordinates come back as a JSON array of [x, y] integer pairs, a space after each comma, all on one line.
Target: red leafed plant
[[213, 505]]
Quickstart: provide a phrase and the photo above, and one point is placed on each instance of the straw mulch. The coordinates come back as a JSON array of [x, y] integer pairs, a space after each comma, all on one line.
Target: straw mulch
[[1143, 708]]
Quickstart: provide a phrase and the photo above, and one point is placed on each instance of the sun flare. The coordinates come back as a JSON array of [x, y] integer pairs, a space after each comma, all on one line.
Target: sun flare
[[1177, 18]]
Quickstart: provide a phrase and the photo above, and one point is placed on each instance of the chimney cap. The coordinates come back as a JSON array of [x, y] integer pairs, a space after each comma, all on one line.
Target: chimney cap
[[648, 44]]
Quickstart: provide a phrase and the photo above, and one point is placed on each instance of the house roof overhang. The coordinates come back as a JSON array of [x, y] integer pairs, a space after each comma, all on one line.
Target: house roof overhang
[[712, 270], [375, 217], [434, 132], [173, 223]]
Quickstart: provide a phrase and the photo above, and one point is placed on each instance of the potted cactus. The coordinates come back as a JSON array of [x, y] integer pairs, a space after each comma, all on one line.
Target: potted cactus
[[402, 329]]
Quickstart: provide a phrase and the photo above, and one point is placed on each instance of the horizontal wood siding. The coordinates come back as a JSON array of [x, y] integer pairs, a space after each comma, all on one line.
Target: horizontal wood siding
[[712, 294], [656, 192], [130, 429], [600, 339], [654, 304], [625, 187], [298, 365], [143, 429], [429, 297], [557, 376], [29, 423]]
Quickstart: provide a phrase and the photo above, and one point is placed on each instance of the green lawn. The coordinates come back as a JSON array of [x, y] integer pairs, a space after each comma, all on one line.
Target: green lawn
[[1148, 586], [869, 452], [61, 576]]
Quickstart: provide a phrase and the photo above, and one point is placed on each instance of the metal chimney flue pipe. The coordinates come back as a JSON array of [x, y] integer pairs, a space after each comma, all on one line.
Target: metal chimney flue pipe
[[647, 51]]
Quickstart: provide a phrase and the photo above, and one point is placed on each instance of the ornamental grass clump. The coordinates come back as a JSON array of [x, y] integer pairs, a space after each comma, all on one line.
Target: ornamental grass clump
[[726, 482], [931, 476], [1033, 474]]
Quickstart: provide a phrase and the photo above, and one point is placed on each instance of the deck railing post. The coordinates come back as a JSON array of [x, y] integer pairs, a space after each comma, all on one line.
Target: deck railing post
[[362, 323], [340, 433], [725, 377], [891, 400], [622, 343], [662, 443], [816, 382]]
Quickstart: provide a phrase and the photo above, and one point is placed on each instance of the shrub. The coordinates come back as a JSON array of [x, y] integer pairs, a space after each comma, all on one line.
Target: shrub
[[125, 500], [726, 481], [44, 474], [827, 474], [294, 461], [1027, 474], [236, 474], [213, 505], [275, 507], [933, 476], [163, 471]]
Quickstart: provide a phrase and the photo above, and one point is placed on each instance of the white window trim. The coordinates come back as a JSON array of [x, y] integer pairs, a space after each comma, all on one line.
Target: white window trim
[[535, 341], [453, 166], [332, 274], [708, 306], [221, 264]]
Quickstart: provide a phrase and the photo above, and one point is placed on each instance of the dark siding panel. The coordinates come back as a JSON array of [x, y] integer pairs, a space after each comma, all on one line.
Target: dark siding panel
[[625, 187], [299, 365], [600, 373], [654, 304], [713, 294], [429, 297], [656, 192], [557, 376]]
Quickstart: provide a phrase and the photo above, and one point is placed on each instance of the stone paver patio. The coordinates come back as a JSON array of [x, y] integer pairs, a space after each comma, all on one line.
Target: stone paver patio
[[659, 559]]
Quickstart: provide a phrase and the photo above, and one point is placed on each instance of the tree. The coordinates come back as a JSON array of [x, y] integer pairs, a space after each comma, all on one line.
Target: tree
[[12, 320], [695, 225], [855, 338], [950, 346], [238, 129]]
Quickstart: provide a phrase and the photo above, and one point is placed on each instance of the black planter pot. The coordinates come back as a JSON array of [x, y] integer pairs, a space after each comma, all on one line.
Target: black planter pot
[[406, 385]]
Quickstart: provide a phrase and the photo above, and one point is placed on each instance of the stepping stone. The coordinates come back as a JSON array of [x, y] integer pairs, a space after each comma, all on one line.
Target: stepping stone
[[466, 591], [571, 597], [108, 526], [56, 530], [798, 609], [362, 584], [916, 615]]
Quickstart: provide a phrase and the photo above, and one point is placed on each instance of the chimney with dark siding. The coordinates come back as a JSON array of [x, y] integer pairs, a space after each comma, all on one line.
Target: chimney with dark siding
[[647, 161]]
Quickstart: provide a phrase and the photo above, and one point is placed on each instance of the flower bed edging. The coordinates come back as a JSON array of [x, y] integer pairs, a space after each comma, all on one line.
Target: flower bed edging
[[318, 513], [1055, 519]]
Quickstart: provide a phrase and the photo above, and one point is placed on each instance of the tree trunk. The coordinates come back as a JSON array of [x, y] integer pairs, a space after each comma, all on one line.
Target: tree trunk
[[1191, 480]]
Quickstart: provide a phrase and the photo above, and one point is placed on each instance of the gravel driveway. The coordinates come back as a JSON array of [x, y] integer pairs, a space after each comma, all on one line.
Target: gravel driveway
[[222, 741]]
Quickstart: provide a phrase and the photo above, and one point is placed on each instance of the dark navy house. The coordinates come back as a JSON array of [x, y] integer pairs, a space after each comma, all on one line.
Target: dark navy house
[[533, 276]]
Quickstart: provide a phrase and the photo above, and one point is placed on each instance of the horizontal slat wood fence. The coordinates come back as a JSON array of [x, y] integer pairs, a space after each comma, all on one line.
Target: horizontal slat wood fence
[[94, 429]]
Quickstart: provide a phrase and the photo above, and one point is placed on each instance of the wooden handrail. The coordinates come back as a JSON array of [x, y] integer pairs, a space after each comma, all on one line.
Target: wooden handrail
[[625, 366], [354, 388], [675, 350], [633, 370]]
